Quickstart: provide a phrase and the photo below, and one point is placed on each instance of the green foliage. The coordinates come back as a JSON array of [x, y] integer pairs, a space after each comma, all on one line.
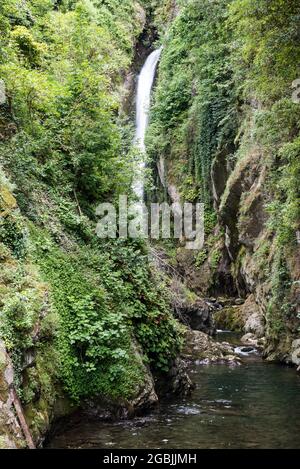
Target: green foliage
[[200, 258], [102, 312], [61, 67], [276, 130], [28, 47], [279, 309], [266, 46], [266, 38], [195, 112], [210, 221], [22, 307], [189, 190], [215, 259]]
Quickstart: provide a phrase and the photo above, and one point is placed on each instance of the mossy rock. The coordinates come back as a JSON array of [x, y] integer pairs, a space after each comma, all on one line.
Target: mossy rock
[[7, 201], [230, 318], [38, 417]]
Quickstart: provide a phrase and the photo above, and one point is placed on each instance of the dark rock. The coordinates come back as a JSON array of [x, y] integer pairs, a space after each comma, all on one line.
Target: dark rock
[[176, 382], [199, 317], [247, 349], [220, 172]]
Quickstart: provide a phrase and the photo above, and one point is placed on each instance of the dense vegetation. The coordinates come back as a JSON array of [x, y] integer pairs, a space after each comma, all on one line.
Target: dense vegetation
[[92, 316], [65, 148]]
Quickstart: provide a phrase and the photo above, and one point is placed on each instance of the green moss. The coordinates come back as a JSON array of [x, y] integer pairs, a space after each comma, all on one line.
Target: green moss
[[13, 235], [200, 258], [280, 310], [262, 258], [229, 318], [214, 258]]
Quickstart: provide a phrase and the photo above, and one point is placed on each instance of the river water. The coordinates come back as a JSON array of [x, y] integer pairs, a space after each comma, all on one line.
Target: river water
[[255, 405]]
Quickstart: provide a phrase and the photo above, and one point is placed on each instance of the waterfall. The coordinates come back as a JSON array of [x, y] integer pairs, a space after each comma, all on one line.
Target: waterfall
[[145, 83]]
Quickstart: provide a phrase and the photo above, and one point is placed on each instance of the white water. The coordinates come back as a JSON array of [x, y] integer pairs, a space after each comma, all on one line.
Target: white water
[[145, 83]]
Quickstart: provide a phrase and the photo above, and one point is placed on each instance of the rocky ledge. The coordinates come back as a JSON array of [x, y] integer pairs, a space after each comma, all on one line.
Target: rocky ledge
[[204, 350]]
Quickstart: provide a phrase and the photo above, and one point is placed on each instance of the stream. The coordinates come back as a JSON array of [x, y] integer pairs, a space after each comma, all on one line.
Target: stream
[[255, 405]]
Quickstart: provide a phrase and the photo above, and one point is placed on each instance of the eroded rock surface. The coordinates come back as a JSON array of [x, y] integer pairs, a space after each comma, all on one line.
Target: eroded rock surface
[[11, 436]]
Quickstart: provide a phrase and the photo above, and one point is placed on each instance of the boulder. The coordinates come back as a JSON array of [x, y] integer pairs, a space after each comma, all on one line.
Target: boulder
[[295, 352], [249, 339], [192, 310], [255, 325], [144, 397], [198, 316], [203, 350]]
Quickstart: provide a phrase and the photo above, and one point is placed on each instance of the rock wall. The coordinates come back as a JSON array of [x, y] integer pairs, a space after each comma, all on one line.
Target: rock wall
[[249, 257]]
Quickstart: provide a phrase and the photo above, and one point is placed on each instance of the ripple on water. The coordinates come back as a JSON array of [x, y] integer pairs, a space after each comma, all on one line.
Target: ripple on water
[[189, 410]]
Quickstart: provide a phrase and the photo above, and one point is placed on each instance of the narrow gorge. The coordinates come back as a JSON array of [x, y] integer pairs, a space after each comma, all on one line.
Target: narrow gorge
[[138, 341]]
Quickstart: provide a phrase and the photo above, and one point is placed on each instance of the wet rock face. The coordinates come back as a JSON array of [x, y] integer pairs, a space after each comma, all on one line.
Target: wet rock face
[[236, 206], [181, 384], [199, 316], [192, 310], [254, 325], [252, 317], [220, 172], [146, 397], [241, 202], [103, 409]]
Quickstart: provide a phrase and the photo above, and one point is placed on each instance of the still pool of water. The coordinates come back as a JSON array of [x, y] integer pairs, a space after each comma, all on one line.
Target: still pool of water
[[256, 405]]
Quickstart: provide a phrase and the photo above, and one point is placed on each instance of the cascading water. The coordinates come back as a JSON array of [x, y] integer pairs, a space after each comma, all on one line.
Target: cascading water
[[145, 83]]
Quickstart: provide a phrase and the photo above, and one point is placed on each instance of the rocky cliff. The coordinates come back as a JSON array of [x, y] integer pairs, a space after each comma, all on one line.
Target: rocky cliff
[[225, 132]]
